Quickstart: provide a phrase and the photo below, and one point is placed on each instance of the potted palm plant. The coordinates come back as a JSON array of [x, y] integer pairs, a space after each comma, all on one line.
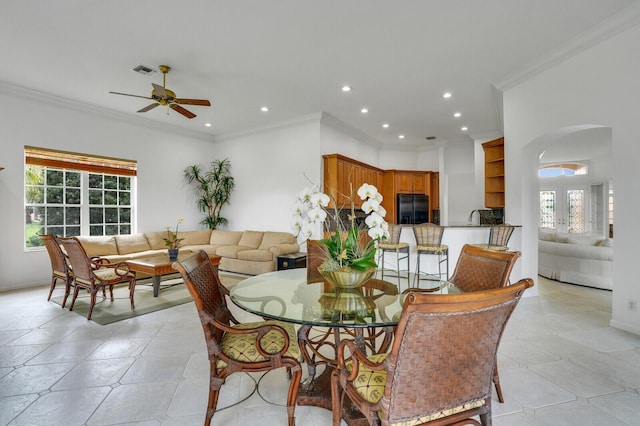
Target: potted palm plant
[[213, 188]]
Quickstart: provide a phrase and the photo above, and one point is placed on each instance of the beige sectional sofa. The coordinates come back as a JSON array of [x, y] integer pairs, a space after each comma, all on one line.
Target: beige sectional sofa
[[245, 252]]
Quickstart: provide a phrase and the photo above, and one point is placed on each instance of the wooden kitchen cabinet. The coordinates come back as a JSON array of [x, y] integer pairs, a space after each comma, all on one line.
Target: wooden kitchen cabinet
[[494, 173], [342, 175], [410, 182]]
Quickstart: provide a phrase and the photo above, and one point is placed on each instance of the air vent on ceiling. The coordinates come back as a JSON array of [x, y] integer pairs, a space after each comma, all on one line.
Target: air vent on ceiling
[[144, 70], [430, 138]]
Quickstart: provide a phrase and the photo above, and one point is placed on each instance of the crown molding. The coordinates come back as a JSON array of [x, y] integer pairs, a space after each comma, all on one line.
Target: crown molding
[[60, 101], [333, 122], [626, 18], [268, 127]]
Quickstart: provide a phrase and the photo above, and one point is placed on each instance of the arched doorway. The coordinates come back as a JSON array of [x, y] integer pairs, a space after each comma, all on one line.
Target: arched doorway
[[590, 145]]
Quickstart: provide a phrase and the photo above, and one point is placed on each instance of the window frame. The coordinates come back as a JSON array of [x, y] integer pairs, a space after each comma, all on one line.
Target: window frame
[[123, 175]]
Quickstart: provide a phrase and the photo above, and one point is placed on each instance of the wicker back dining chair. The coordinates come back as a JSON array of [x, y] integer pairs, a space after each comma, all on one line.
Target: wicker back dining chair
[[316, 255], [401, 251], [499, 236], [429, 242], [60, 269], [440, 366], [479, 269], [235, 347], [95, 274]]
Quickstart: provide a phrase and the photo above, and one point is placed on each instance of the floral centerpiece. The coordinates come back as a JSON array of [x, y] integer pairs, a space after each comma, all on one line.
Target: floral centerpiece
[[172, 242], [350, 247]]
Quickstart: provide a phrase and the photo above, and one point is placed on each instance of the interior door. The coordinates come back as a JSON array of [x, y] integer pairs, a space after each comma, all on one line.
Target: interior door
[[564, 208]]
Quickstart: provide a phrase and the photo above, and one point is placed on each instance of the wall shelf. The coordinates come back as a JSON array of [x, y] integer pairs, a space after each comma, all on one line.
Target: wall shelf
[[494, 173]]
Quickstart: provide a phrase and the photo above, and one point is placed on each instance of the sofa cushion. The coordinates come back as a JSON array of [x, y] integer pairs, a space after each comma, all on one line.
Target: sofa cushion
[[256, 255], [155, 239], [231, 251], [225, 238], [191, 238], [272, 238], [99, 245], [584, 239], [251, 239], [132, 243], [546, 235]]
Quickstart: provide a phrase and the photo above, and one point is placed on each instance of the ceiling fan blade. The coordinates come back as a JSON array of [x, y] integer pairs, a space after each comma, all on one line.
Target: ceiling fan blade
[[159, 90], [127, 94], [201, 102], [182, 111], [149, 107]]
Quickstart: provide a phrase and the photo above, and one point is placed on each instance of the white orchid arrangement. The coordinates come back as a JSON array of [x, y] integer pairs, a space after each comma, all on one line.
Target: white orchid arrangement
[[345, 248]]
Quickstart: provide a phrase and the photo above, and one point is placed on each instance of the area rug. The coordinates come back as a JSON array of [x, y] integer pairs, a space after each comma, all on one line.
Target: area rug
[[172, 293]]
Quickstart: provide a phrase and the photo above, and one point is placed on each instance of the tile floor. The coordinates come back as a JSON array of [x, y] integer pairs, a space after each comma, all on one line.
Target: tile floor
[[560, 364]]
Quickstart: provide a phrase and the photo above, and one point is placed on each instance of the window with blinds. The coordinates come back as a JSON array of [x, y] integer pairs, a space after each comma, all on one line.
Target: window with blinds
[[71, 194]]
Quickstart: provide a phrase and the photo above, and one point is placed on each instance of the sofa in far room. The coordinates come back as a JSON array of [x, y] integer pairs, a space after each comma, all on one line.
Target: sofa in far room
[[244, 252], [584, 259]]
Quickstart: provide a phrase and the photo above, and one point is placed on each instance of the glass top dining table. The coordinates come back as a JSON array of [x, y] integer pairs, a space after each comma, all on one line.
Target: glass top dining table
[[326, 315], [287, 296]]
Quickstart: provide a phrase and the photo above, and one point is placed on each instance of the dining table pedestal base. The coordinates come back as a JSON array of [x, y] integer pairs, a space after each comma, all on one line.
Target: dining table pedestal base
[[317, 393]]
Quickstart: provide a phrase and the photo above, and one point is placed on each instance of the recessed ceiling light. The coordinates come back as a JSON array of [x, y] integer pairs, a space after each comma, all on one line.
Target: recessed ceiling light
[[207, 124], [446, 95], [464, 128], [400, 136], [346, 88], [364, 110], [264, 109], [385, 125], [457, 115]]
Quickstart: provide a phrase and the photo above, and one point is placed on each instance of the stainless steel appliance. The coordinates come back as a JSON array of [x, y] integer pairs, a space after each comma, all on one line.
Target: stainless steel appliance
[[413, 209]]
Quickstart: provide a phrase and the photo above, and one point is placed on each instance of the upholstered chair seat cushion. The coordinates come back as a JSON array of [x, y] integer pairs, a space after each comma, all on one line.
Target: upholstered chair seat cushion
[[433, 249], [241, 347]]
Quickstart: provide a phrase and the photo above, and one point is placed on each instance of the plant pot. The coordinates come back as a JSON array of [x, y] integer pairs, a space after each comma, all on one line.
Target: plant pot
[[173, 254], [347, 279]]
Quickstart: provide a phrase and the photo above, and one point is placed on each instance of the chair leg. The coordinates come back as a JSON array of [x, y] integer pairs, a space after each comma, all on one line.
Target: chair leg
[[132, 288], [53, 286], [496, 382], [292, 396], [76, 289], [336, 398], [215, 383], [92, 302]]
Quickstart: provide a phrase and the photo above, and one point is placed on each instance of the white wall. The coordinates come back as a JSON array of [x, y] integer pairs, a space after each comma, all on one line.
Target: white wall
[[597, 87], [271, 166], [162, 155], [459, 183]]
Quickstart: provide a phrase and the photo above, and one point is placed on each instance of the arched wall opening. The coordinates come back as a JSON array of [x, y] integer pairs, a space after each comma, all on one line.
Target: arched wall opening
[[592, 143]]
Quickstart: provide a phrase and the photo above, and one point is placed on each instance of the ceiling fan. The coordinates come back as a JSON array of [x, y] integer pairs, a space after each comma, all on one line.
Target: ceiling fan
[[165, 97]]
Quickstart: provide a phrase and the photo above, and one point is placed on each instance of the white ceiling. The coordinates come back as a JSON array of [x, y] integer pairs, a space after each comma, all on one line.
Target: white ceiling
[[293, 56]]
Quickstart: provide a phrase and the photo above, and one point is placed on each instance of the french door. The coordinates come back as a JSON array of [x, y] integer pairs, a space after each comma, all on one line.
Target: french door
[[564, 209]]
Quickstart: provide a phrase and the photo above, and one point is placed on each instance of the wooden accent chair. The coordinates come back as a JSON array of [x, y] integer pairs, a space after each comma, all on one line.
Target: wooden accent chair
[[235, 347], [440, 366], [60, 269], [499, 236], [95, 274]]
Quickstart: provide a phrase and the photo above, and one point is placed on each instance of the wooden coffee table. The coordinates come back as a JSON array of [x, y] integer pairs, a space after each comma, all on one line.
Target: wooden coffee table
[[157, 266]]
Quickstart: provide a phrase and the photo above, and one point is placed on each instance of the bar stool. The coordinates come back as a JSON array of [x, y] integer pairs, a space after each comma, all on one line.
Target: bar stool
[[498, 238], [429, 242], [393, 244]]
